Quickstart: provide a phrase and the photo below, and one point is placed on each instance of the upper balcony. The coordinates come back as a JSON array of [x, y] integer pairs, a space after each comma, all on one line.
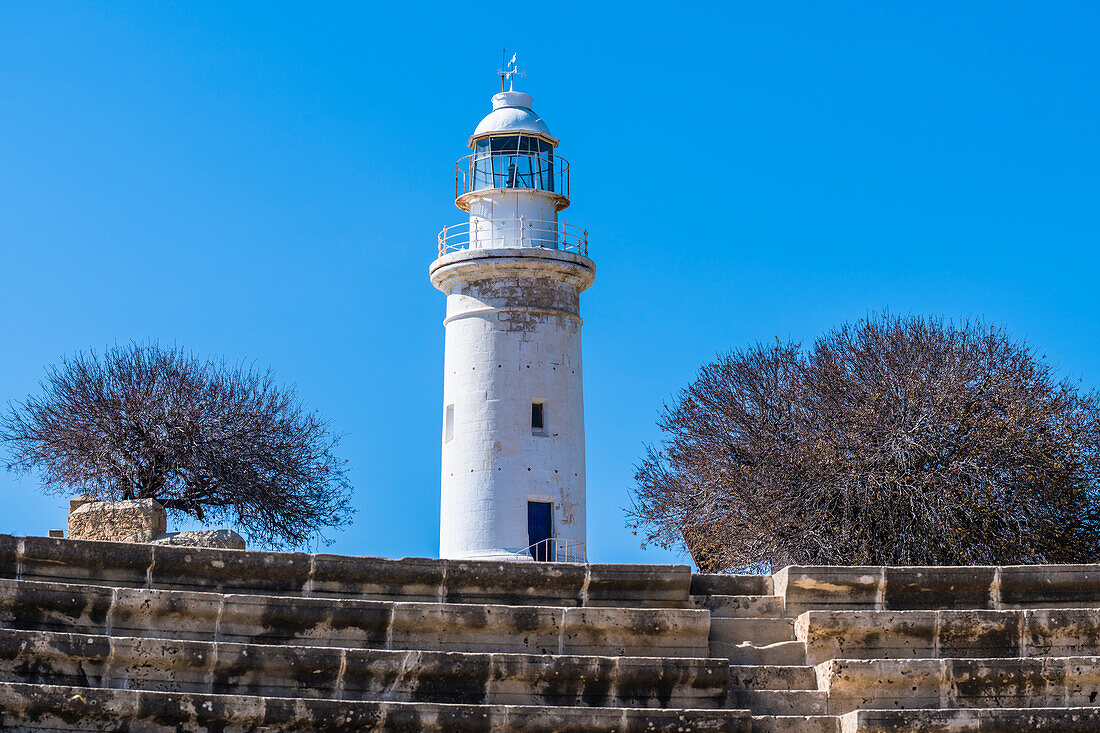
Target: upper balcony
[[487, 170]]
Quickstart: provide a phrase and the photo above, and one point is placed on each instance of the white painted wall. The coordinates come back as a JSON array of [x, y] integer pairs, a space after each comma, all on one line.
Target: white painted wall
[[513, 335]]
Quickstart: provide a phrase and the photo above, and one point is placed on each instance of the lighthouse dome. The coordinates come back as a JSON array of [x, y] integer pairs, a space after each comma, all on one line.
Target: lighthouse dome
[[512, 113]]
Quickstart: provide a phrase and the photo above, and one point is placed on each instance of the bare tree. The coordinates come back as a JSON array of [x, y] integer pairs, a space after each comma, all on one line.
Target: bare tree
[[898, 441], [205, 440]]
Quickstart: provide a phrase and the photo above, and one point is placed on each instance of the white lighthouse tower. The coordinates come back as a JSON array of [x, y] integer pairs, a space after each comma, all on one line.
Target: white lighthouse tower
[[513, 481]]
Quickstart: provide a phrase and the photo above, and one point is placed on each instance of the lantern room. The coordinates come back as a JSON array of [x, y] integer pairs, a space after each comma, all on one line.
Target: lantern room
[[513, 184]]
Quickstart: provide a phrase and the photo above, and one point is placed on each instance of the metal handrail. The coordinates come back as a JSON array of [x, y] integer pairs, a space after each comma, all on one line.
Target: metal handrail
[[554, 550], [514, 232], [552, 172]]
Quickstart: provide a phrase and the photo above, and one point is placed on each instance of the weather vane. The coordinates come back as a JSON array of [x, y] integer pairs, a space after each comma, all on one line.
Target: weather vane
[[508, 71]]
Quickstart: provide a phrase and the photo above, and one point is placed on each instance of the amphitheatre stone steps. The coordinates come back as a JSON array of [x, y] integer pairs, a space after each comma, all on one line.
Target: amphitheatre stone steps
[[106, 636], [33, 707], [960, 683], [170, 665], [249, 618], [1034, 632]]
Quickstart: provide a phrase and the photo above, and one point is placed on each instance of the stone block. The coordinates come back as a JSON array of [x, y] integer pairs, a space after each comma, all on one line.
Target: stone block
[[772, 677], [657, 586], [1049, 586], [805, 588], [225, 539], [513, 582], [409, 579], [740, 606], [138, 520], [908, 588], [759, 631], [730, 585]]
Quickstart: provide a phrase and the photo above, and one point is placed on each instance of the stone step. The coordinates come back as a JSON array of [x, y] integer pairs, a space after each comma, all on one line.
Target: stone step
[[1063, 632], [977, 720], [795, 724], [337, 576], [759, 631], [28, 707], [960, 683], [740, 606], [703, 584], [784, 653], [170, 665], [772, 677], [933, 588], [261, 619], [779, 702]]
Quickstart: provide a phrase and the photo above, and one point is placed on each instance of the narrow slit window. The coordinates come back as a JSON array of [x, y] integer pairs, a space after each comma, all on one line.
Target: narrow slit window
[[449, 424], [538, 417]]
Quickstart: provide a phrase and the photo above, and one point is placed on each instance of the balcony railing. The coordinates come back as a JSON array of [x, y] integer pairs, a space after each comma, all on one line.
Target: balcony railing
[[537, 171], [497, 233], [554, 550]]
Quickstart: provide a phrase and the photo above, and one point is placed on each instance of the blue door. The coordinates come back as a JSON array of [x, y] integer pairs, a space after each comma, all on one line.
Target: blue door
[[540, 530]]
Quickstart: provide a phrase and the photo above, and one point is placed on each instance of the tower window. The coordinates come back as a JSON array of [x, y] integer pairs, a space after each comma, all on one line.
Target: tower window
[[449, 424], [538, 417]]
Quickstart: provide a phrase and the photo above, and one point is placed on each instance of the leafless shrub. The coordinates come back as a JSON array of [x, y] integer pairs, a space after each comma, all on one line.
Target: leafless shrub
[[206, 440], [892, 441]]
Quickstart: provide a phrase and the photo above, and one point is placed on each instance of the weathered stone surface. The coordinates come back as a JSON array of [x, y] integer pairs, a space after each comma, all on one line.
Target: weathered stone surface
[[928, 634], [138, 520], [731, 585], [60, 708], [225, 539], [779, 702], [960, 683], [293, 573], [1005, 720], [759, 631], [371, 624], [171, 665], [740, 606], [783, 653], [805, 588], [772, 677], [795, 724]]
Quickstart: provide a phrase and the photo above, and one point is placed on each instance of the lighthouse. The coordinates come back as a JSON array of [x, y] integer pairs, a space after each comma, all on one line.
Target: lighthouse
[[513, 478]]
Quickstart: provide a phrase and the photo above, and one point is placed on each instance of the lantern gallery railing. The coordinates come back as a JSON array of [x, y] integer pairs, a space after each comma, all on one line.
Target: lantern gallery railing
[[538, 171], [554, 550], [496, 233]]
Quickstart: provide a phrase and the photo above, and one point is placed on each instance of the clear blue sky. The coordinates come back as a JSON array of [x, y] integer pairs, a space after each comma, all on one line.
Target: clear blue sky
[[265, 181]]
